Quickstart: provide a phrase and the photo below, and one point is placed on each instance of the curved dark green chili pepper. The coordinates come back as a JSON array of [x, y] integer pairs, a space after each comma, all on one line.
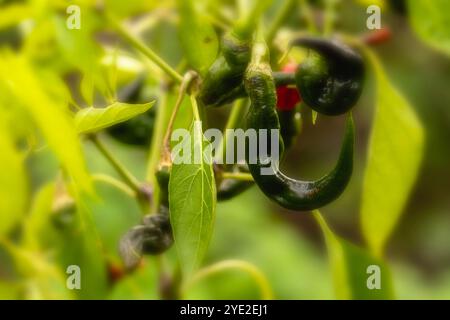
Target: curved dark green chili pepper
[[330, 81], [230, 188], [287, 192]]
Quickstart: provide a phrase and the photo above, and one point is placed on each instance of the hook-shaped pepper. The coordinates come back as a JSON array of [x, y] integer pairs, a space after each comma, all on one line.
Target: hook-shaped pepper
[[287, 192], [331, 80]]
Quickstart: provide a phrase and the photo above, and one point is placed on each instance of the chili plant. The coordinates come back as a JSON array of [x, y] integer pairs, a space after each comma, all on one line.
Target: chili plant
[[89, 89]]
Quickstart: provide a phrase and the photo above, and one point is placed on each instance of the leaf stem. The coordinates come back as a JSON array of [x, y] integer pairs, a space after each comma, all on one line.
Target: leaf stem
[[100, 177], [253, 271], [280, 16], [140, 46], [187, 79], [242, 176], [329, 19], [128, 178], [308, 15], [236, 115]]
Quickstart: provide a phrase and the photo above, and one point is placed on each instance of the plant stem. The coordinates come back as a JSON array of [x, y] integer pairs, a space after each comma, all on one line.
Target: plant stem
[[253, 271], [187, 79], [281, 15], [139, 45], [128, 178], [195, 107], [330, 11], [241, 176], [236, 115], [100, 177], [308, 15], [162, 114]]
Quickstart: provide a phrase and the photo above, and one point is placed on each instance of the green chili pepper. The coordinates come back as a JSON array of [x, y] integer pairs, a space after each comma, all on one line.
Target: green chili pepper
[[287, 192], [223, 82], [330, 81]]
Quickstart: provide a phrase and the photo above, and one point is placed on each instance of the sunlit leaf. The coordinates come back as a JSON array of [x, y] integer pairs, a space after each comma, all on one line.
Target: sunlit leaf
[[89, 120], [13, 181], [394, 155], [198, 38], [13, 14], [431, 20], [36, 221], [45, 280], [192, 199], [52, 119], [353, 269]]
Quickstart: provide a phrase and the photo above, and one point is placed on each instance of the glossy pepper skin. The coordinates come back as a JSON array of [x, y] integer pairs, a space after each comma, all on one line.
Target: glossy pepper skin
[[222, 82], [330, 79], [287, 192]]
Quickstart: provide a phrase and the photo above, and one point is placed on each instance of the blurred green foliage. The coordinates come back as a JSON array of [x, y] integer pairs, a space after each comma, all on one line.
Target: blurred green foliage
[[48, 72]]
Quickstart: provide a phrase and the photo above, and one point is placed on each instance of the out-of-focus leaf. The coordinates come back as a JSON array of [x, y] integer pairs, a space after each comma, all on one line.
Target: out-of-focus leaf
[[394, 155], [89, 120], [13, 181], [35, 222], [13, 14], [55, 124], [45, 280], [198, 38], [351, 268], [79, 244], [81, 50], [431, 20], [192, 199], [139, 285]]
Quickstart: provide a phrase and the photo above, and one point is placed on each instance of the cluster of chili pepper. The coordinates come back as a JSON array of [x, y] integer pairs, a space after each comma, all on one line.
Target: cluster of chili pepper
[[329, 81]]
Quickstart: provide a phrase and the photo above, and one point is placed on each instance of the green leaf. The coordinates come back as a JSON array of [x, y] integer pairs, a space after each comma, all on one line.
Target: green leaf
[[13, 181], [431, 20], [37, 221], [50, 117], [198, 38], [192, 198], [393, 160], [351, 268], [44, 279], [91, 119]]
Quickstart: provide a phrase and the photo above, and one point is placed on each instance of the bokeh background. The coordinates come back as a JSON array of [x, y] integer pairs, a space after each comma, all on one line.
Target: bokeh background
[[288, 248]]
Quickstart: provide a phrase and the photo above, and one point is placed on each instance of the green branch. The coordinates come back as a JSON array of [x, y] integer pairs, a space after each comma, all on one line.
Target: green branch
[[139, 45]]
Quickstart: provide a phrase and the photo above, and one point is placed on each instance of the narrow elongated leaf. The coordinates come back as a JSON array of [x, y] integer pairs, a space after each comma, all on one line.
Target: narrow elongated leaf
[[431, 20], [13, 183], [89, 120], [356, 274], [393, 160], [198, 38], [49, 117], [192, 199]]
